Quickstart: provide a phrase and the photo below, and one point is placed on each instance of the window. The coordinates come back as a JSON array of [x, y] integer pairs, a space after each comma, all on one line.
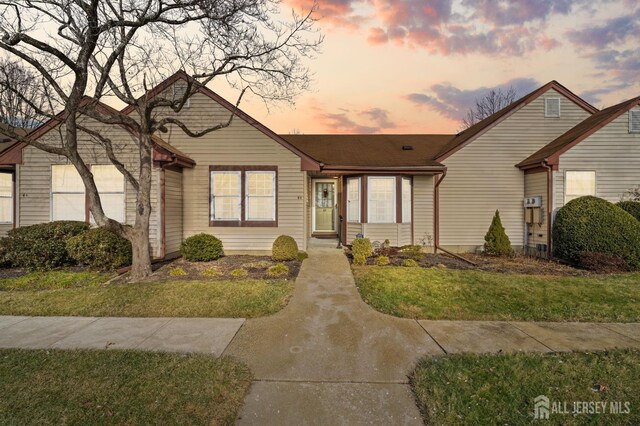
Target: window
[[67, 193], [552, 107], [578, 184], [243, 195], [261, 195], [110, 183], [353, 200], [6, 198], [634, 121], [406, 200], [382, 199]]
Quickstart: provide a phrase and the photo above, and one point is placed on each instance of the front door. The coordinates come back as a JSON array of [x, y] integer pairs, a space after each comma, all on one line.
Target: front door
[[324, 195]]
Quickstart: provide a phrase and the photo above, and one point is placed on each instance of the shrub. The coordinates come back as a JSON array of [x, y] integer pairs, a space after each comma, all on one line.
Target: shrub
[[359, 259], [362, 247], [413, 252], [177, 272], [382, 260], [42, 246], [239, 273], [303, 255], [100, 249], [496, 240], [284, 248], [409, 263], [212, 272], [278, 270], [201, 248], [590, 224], [603, 263], [631, 207]]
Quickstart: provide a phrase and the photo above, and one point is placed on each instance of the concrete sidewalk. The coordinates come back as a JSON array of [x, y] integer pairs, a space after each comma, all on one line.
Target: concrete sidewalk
[[202, 335]]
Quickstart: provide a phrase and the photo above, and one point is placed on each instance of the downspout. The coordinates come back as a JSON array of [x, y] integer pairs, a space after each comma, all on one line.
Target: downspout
[[436, 222], [549, 205]]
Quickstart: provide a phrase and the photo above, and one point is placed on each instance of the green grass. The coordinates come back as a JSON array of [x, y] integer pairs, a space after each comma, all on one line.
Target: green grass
[[53, 387], [53, 280], [477, 295], [238, 298], [500, 389]]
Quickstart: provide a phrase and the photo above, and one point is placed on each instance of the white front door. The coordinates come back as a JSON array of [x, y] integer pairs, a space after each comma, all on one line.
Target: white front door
[[324, 206]]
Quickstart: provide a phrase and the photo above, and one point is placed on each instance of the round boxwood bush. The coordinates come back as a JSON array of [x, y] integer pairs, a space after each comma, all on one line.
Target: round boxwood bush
[[631, 207], [100, 249], [42, 246], [284, 248], [201, 248], [591, 224], [362, 247]]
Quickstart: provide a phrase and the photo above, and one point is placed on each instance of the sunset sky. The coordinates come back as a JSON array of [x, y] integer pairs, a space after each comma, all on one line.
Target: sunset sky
[[416, 66]]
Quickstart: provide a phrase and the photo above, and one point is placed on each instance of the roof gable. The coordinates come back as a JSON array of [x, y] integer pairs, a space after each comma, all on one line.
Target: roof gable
[[551, 152], [467, 136]]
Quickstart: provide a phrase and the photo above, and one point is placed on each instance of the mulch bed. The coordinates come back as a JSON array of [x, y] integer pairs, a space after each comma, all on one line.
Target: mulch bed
[[256, 267], [518, 264]]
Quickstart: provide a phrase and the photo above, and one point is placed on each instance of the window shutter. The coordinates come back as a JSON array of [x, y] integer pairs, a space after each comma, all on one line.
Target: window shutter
[[634, 121], [552, 107], [178, 93]]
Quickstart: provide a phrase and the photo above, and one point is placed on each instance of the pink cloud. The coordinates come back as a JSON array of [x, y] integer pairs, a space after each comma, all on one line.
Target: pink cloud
[[367, 121]]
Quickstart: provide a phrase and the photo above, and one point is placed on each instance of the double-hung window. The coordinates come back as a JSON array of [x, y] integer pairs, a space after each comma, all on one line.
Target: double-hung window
[[6, 198], [353, 199], [67, 193], [406, 200], [578, 184], [381, 192], [110, 183], [243, 195]]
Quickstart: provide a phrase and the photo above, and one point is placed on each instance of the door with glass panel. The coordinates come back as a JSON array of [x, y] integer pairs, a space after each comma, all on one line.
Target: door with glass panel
[[324, 206]]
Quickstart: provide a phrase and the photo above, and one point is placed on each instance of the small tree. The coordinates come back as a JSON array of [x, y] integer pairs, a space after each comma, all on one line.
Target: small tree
[[493, 101], [497, 242]]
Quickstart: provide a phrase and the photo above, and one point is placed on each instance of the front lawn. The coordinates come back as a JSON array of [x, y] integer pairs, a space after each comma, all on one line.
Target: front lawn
[[438, 293], [118, 387], [500, 389], [240, 298], [52, 280]]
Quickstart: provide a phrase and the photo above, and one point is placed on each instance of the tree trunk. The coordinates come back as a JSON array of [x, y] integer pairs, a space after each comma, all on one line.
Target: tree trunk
[[141, 265]]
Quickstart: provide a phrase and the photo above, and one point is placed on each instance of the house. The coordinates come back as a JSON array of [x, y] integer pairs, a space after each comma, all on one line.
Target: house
[[247, 185]]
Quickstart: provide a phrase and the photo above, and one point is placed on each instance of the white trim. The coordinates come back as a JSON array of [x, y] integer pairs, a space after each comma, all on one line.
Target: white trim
[[393, 198], [313, 204], [549, 98], [359, 218], [272, 196]]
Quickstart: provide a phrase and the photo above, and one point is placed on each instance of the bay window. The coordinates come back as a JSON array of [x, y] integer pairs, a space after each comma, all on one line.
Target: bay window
[[68, 199], [6, 198], [406, 200], [578, 184], [381, 192], [243, 195], [353, 199]]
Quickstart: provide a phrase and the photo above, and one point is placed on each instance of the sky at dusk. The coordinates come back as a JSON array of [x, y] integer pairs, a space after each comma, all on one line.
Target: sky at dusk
[[416, 66]]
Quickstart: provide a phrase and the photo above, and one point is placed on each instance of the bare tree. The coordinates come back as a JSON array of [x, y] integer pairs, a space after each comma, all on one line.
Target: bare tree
[[16, 110], [121, 49], [493, 101]]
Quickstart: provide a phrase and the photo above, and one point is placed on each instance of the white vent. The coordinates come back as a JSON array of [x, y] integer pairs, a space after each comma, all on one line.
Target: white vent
[[552, 107], [634, 121], [178, 93]]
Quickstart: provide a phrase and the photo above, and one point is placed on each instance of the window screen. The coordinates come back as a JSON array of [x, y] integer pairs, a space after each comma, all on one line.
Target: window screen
[[382, 199], [406, 200], [578, 184], [353, 200], [67, 193]]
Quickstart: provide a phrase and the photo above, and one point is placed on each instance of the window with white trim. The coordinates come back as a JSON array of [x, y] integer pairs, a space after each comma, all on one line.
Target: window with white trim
[[226, 195], [110, 184], [67, 193], [353, 199], [381, 192], [6, 198], [634, 121], [261, 195], [552, 107], [406, 200], [579, 184]]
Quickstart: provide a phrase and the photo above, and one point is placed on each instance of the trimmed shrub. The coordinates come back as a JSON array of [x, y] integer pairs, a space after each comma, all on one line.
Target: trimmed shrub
[[284, 248], [42, 246], [497, 242], [362, 247], [100, 249], [201, 248], [239, 273], [591, 224], [359, 259], [413, 252], [603, 263], [410, 263], [631, 207], [303, 255], [382, 260], [278, 270]]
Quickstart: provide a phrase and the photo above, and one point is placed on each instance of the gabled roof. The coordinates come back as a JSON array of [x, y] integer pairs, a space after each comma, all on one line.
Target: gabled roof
[[551, 152], [368, 152], [482, 126], [308, 163]]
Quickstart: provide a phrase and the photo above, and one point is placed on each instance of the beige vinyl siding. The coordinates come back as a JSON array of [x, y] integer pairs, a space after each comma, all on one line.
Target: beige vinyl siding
[[482, 176], [173, 211], [398, 234], [34, 176], [4, 228], [612, 152], [423, 210], [353, 229], [239, 144], [535, 185]]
